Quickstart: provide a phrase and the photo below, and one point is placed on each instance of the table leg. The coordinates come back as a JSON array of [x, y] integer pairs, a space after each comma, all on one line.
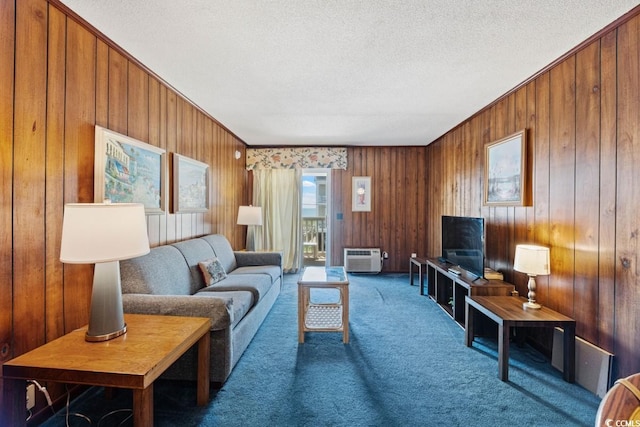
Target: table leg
[[569, 362], [344, 292], [204, 363], [12, 412], [503, 350], [421, 276], [410, 272], [301, 291], [143, 406], [468, 324]]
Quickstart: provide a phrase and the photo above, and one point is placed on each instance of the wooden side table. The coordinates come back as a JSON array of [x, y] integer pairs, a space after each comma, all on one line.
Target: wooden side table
[[323, 317], [134, 360], [421, 263], [507, 312]]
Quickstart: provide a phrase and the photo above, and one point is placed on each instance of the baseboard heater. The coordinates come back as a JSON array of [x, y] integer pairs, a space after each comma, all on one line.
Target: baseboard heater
[[593, 364], [362, 260]]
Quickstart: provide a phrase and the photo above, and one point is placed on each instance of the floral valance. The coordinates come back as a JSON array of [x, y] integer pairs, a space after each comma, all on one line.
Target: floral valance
[[297, 158]]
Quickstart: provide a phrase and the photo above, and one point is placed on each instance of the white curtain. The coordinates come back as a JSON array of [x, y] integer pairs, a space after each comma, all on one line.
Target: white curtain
[[277, 191]]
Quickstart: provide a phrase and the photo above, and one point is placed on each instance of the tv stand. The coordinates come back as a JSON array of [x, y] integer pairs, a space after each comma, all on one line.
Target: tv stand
[[448, 288]]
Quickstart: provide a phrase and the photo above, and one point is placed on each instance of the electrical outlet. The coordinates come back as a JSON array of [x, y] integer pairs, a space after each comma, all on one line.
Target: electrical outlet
[[31, 396]]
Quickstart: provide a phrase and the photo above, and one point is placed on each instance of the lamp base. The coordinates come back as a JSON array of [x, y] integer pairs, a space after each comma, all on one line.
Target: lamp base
[[531, 305], [106, 319], [105, 337]]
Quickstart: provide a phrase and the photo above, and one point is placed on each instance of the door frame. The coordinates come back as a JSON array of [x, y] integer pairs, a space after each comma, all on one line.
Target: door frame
[[327, 238]]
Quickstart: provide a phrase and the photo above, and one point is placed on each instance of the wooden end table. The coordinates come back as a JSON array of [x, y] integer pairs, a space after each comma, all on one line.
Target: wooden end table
[[134, 360], [323, 317], [507, 312]]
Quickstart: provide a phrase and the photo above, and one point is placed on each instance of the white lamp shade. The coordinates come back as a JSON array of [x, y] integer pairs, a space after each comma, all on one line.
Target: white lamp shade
[[103, 232], [249, 215], [532, 259]]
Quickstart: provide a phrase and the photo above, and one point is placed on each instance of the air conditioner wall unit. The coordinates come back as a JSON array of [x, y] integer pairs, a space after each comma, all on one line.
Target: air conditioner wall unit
[[362, 260]]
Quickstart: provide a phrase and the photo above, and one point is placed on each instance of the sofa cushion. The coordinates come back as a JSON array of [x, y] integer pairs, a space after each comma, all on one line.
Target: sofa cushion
[[272, 271], [163, 271], [212, 271], [240, 302], [223, 251], [257, 284]]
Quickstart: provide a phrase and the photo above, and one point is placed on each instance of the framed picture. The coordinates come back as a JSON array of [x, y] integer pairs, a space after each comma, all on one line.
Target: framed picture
[[190, 185], [504, 171], [128, 171], [361, 194]]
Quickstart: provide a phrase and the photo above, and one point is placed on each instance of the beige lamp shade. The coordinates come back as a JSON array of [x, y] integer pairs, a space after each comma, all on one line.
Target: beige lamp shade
[[249, 215], [103, 232], [532, 260]]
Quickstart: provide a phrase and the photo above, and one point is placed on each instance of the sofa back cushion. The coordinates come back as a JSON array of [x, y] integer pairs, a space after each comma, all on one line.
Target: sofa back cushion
[[163, 271], [223, 251], [194, 251]]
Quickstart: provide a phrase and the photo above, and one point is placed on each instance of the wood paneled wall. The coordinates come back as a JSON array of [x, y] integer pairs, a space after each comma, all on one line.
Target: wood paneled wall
[[58, 79], [582, 121], [398, 218]]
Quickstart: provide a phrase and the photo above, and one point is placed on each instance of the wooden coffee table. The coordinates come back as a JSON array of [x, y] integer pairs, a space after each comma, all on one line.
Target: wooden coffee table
[[134, 360], [323, 317], [507, 312]]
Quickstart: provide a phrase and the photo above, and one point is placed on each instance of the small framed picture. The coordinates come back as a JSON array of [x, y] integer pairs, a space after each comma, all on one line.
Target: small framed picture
[[361, 194], [128, 171], [190, 185], [504, 171]]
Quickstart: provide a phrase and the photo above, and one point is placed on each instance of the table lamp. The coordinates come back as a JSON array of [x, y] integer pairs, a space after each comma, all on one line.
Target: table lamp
[[103, 234], [250, 216], [534, 261]]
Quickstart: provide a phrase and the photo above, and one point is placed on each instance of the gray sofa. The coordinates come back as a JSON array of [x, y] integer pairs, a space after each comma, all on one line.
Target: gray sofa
[[169, 281]]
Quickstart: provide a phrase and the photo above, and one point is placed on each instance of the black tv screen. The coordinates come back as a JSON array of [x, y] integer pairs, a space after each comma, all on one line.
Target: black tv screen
[[463, 243]]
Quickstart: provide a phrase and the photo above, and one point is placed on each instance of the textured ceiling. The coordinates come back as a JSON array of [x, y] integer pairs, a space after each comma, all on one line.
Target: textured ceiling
[[346, 72]]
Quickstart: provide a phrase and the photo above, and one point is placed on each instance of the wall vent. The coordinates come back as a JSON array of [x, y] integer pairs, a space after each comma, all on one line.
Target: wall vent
[[362, 260], [593, 364]]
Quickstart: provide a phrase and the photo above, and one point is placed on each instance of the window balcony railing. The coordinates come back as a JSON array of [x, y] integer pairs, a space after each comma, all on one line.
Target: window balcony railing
[[314, 232]]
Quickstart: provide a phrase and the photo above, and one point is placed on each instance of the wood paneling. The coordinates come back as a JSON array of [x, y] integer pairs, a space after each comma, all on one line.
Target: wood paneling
[[59, 79], [581, 117], [627, 289], [397, 221], [54, 168], [587, 174], [607, 208], [7, 54], [29, 172]]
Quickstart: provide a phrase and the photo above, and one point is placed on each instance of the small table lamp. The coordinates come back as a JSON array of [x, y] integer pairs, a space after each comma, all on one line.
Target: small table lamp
[[534, 261], [102, 234], [250, 215]]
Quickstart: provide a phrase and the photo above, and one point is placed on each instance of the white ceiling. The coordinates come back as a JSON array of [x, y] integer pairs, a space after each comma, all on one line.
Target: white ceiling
[[346, 72]]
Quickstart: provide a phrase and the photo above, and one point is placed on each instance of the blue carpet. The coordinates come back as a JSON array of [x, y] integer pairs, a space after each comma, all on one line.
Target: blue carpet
[[406, 365]]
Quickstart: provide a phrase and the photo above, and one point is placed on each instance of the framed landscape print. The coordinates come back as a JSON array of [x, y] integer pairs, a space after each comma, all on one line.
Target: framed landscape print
[[190, 185], [128, 171], [504, 171], [361, 194]]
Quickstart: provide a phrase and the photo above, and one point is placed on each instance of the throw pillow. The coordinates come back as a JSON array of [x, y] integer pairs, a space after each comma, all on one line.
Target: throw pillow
[[212, 270]]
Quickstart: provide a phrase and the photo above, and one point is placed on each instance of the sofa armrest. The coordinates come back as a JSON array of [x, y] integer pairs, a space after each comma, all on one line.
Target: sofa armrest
[[219, 310], [248, 258]]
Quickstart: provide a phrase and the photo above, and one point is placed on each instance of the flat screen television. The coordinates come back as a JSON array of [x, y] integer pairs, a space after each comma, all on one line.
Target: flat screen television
[[463, 243]]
